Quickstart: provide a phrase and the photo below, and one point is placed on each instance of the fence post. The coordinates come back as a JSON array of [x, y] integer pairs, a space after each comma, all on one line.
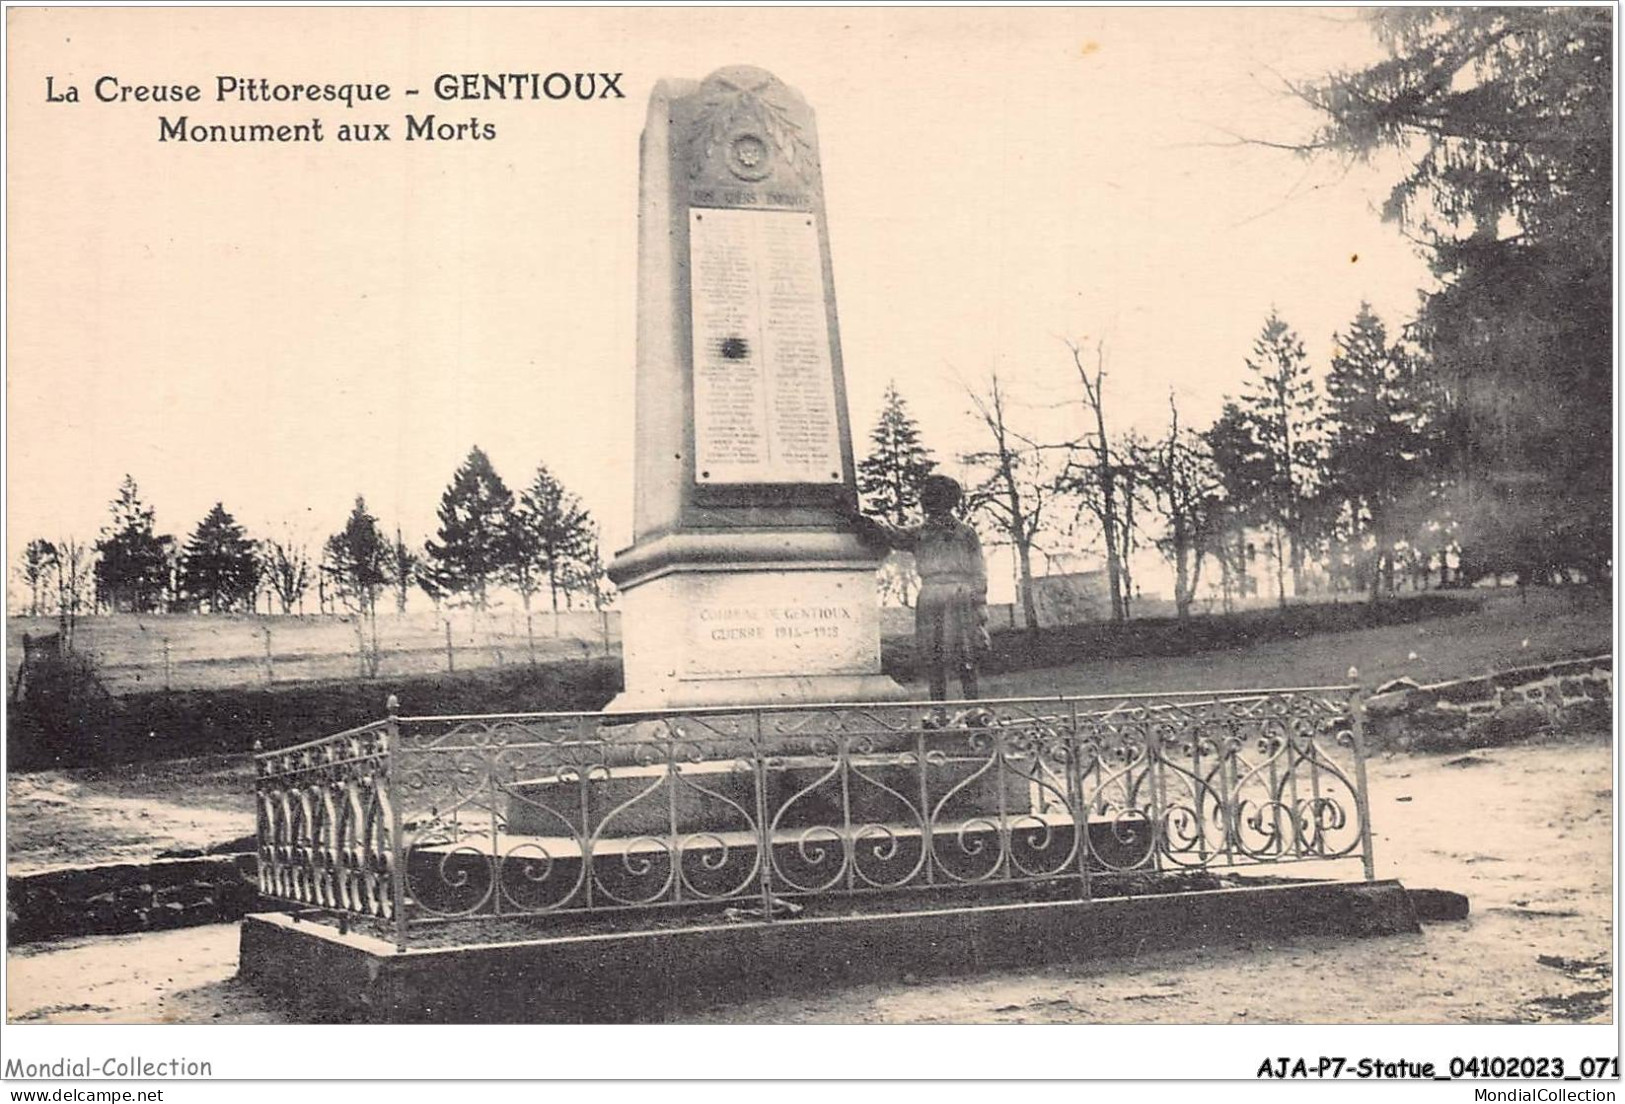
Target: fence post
[[361, 646], [1080, 803], [270, 671], [764, 826], [397, 853], [928, 843], [166, 663], [451, 662], [1362, 799], [262, 845]]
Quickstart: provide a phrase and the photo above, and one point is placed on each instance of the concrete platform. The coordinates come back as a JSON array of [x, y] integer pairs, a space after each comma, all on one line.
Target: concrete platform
[[657, 975]]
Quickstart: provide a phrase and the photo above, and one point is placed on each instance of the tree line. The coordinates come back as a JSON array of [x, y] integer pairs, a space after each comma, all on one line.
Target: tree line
[[540, 542], [1340, 481], [1475, 441]]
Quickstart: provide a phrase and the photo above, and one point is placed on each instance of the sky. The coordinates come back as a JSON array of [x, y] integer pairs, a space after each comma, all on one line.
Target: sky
[[283, 327]]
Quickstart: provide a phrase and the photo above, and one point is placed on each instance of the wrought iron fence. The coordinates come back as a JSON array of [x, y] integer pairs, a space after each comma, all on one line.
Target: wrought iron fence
[[421, 820]]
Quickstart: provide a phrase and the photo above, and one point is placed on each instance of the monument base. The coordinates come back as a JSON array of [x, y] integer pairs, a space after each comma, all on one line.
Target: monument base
[[665, 974], [793, 619]]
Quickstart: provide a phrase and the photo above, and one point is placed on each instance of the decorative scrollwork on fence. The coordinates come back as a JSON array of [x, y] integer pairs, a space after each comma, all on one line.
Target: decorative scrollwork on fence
[[419, 819], [324, 823]]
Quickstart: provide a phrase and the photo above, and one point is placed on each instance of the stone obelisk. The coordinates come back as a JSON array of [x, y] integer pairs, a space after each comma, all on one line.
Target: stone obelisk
[[743, 585]]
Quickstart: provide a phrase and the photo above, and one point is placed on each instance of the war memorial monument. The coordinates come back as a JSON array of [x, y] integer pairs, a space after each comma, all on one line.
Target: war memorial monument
[[743, 585], [761, 809]]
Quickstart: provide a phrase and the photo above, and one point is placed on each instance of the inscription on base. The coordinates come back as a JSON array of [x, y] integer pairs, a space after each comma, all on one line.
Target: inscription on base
[[775, 638], [794, 624]]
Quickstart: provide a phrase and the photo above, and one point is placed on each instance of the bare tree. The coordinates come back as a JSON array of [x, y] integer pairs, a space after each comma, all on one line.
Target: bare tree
[[75, 586], [1130, 473], [587, 577], [288, 572], [1014, 492], [1103, 476], [1186, 490]]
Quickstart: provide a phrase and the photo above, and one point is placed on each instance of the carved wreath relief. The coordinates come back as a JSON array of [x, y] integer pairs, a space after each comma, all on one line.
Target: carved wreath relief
[[748, 118]]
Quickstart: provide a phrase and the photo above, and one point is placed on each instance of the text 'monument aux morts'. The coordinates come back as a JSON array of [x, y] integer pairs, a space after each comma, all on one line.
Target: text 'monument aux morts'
[[176, 124]]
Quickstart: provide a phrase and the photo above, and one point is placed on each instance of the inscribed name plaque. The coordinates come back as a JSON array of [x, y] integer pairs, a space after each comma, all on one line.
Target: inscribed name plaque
[[764, 386]]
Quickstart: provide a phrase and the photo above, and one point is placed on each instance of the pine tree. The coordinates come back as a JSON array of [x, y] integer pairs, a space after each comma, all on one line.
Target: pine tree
[[550, 540], [889, 478], [1244, 476], [888, 483], [219, 568], [1378, 443], [405, 566], [356, 560], [1283, 413], [476, 514], [38, 568], [1500, 119], [132, 572]]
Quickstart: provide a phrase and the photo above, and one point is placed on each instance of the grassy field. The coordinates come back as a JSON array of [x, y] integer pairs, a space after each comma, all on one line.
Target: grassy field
[[164, 725], [143, 652], [1503, 632]]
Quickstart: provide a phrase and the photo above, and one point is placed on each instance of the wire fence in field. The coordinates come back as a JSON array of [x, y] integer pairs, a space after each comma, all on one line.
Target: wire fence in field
[[137, 652], [198, 652]]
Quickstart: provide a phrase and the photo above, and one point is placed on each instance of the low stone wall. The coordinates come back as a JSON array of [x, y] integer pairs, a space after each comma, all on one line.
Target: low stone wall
[[130, 897], [1494, 708]]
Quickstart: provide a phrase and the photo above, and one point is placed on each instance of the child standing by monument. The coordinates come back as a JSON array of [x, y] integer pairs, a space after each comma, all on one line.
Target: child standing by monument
[[950, 614]]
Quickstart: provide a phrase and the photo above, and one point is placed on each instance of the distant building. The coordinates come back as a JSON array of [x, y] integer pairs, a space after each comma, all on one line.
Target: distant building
[[1072, 597]]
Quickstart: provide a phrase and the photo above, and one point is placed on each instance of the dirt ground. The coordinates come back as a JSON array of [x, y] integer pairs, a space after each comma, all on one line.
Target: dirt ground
[[1526, 832], [100, 815]]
